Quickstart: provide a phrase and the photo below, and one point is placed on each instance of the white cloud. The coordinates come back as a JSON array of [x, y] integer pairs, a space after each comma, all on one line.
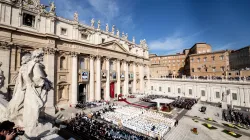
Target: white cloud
[[174, 43], [108, 11], [169, 43], [108, 8]]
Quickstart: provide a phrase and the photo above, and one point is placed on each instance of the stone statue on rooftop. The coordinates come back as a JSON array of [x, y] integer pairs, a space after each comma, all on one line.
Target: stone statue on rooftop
[[133, 40], [52, 7], [93, 22], [76, 16], [107, 27], [113, 29], [98, 24], [123, 35], [117, 33], [42, 9], [126, 36]]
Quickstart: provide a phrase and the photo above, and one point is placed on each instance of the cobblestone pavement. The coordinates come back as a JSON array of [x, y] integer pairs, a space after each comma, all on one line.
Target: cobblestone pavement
[[182, 132]]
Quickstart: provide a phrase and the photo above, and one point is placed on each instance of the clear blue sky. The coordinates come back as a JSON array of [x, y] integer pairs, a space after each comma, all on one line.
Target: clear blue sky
[[169, 26]]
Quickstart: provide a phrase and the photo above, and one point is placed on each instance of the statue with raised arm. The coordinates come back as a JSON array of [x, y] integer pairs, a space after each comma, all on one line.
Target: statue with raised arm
[[52, 7], [93, 22], [107, 27], [37, 87], [98, 24]]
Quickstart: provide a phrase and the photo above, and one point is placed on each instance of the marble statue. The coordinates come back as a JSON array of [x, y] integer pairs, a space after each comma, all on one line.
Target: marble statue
[[133, 40], [1, 76], [75, 16], [117, 33], [113, 29], [52, 7], [123, 35], [93, 22], [98, 24], [126, 36], [30, 92], [107, 27], [15, 106], [43, 9]]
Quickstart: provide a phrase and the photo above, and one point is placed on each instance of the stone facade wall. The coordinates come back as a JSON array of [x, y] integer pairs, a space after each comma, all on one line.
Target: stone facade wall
[[194, 89]]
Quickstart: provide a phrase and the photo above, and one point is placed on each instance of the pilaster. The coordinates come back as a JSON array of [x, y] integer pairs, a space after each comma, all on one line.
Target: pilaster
[[98, 78], [74, 80], [134, 78], [50, 70], [107, 93], [92, 78], [118, 83]]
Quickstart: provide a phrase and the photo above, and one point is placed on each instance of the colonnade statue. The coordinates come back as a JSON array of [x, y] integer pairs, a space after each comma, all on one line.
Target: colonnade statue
[[30, 92]]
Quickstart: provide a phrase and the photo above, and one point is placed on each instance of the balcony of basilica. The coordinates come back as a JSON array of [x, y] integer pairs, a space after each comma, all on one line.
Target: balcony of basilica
[[83, 75]]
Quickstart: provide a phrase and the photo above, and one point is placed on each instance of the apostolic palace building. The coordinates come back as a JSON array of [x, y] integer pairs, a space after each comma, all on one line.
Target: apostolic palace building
[[83, 61]]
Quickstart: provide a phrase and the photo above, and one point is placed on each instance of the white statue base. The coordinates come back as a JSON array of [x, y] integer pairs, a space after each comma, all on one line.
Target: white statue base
[[224, 105]]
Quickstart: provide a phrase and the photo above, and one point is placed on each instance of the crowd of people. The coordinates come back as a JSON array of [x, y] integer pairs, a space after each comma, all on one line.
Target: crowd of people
[[184, 103], [140, 120], [93, 104], [212, 78], [236, 117], [95, 129]]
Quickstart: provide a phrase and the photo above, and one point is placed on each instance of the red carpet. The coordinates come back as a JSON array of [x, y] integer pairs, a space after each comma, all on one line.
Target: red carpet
[[134, 104]]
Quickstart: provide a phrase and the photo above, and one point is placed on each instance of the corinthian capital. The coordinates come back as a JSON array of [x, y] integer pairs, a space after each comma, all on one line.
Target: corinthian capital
[[50, 51], [107, 58], [4, 45], [91, 56], [98, 57], [73, 54]]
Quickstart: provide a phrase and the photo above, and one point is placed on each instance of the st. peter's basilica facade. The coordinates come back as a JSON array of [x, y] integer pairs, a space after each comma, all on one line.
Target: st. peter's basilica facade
[[83, 61]]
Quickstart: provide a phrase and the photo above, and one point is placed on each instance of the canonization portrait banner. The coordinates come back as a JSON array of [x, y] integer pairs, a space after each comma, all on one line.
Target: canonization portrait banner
[[85, 75]]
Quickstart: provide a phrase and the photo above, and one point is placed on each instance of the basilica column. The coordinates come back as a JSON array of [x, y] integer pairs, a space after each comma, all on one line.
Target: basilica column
[[134, 78], [107, 93], [148, 76], [92, 78], [74, 80], [141, 78], [98, 79], [118, 83], [50, 70], [126, 78]]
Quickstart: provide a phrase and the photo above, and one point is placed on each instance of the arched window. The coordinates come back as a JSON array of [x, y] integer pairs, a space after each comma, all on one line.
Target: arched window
[[62, 62]]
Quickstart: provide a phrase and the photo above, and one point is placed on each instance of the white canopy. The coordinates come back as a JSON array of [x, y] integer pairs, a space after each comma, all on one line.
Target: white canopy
[[161, 100]]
